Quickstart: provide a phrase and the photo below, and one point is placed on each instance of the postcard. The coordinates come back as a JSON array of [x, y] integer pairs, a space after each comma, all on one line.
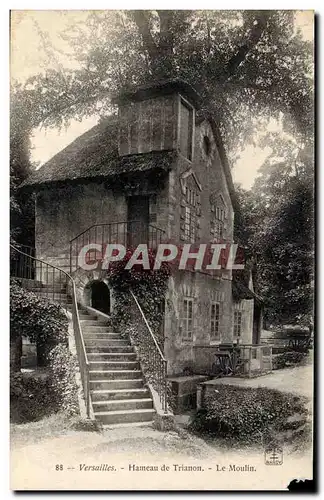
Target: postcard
[[162, 250]]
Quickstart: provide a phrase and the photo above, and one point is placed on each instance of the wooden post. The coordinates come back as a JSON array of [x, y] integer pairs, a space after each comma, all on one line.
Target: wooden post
[[199, 396], [250, 360], [261, 359]]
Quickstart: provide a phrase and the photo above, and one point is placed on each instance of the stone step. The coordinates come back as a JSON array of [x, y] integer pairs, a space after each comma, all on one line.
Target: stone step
[[146, 425], [114, 374], [100, 335], [88, 321], [112, 394], [124, 404], [124, 416], [49, 288], [114, 365], [97, 328], [112, 356], [106, 342], [52, 295], [118, 348], [116, 384]]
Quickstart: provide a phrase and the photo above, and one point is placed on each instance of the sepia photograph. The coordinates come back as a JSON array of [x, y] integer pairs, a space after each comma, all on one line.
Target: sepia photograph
[[162, 241]]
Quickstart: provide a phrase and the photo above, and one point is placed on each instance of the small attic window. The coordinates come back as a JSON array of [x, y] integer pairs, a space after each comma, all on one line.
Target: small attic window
[[186, 128], [206, 145]]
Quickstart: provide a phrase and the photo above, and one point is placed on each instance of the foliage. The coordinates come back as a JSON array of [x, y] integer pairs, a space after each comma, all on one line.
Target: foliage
[[276, 222], [31, 397], [22, 205], [39, 394], [63, 367], [255, 58], [40, 320], [78, 423], [246, 413], [148, 285], [288, 358]]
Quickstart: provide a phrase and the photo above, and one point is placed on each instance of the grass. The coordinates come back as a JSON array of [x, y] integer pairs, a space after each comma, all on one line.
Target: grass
[[55, 425]]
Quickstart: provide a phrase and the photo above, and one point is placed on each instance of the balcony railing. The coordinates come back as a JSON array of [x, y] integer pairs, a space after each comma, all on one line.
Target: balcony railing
[[130, 234]]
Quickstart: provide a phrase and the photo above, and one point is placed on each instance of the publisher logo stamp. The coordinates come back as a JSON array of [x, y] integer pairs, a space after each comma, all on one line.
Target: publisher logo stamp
[[273, 456]]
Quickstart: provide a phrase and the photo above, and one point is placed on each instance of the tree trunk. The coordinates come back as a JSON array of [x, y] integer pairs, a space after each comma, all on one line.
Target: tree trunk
[[15, 354]]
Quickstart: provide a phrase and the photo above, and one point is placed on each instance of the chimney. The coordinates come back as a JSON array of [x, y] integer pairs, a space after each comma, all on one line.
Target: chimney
[[157, 117]]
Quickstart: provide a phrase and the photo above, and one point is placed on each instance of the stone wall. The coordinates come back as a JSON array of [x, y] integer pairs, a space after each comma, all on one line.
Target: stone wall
[[64, 212], [203, 289], [206, 173], [209, 174]]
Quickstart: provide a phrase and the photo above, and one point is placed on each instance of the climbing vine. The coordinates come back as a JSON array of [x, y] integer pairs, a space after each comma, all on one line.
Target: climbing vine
[[149, 287]]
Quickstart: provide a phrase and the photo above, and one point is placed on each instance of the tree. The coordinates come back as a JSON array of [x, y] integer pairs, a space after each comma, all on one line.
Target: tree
[[247, 65], [254, 58], [21, 204], [279, 228]]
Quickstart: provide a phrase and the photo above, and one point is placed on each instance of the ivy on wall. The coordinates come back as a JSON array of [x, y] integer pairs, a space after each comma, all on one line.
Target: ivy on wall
[[149, 287]]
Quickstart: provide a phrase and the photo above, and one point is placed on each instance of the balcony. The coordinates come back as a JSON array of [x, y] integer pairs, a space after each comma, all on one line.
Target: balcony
[[129, 234]]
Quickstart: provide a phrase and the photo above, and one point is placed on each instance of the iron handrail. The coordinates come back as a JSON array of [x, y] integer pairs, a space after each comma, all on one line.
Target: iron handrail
[[79, 341], [161, 375], [110, 223], [148, 326]]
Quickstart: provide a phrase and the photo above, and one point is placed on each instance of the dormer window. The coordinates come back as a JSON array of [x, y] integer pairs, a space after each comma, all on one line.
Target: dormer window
[[186, 129]]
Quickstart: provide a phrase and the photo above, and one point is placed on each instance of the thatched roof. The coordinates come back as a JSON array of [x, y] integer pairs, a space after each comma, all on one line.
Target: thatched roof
[[94, 154], [157, 88]]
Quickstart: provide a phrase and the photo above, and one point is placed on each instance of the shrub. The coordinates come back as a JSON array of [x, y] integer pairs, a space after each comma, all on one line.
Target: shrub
[[287, 358], [39, 319], [38, 394], [245, 413], [31, 397], [63, 366]]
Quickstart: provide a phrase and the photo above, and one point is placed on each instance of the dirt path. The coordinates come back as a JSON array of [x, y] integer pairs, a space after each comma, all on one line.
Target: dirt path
[[38, 448], [33, 465], [298, 380]]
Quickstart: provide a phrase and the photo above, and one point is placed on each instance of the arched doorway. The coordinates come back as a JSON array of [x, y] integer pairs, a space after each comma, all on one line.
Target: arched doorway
[[100, 296]]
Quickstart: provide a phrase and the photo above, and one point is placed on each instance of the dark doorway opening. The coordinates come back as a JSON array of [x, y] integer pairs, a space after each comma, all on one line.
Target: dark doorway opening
[[100, 297], [137, 220], [257, 319]]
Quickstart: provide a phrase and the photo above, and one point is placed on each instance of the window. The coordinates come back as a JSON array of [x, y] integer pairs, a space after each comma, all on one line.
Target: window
[[217, 224], [187, 319], [190, 225], [186, 129], [214, 320], [237, 323]]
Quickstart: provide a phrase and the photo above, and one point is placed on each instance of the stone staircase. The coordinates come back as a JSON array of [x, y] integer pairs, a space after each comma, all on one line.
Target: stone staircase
[[118, 393], [117, 386]]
